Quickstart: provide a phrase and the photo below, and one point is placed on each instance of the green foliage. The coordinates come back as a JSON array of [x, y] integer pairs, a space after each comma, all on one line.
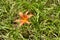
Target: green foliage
[[45, 24]]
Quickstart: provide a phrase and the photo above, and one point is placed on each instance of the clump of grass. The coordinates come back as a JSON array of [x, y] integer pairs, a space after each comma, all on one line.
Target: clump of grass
[[45, 22]]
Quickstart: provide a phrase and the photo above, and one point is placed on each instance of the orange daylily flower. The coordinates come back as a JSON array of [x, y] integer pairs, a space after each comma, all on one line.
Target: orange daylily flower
[[24, 18]]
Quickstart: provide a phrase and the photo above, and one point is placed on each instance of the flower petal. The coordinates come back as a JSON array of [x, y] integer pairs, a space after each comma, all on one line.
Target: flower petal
[[21, 23], [29, 16], [26, 13], [21, 14], [28, 22], [18, 20]]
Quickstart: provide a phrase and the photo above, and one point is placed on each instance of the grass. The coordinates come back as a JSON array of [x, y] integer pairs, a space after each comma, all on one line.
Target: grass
[[45, 22]]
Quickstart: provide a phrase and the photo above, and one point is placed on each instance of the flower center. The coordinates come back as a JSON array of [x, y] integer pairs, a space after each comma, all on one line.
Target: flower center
[[25, 17]]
